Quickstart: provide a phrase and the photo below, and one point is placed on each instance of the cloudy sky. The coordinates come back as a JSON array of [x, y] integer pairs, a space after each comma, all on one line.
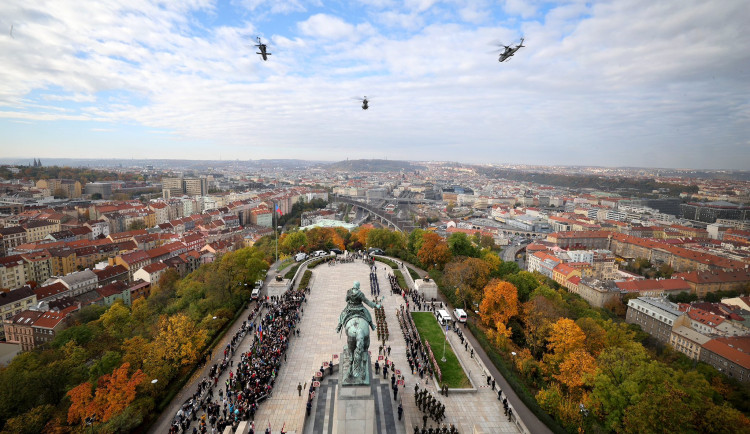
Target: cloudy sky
[[616, 83]]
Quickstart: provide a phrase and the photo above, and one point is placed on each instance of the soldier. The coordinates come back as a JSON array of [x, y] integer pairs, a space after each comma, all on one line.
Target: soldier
[[424, 422], [416, 429]]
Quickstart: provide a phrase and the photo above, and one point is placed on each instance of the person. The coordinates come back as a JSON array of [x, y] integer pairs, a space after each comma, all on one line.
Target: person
[[472, 353], [377, 367], [493, 384], [400, 410], [299, 389], [424, 421], [309, 406], [488, 380], [395, 391]]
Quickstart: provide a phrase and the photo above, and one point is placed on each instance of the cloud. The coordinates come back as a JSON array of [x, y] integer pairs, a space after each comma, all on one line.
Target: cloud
[[326, 26], [606, 83]]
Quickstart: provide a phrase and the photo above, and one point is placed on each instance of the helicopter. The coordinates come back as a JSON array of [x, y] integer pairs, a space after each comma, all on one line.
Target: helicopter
[[365, 102], [509, 51], [263, 53]]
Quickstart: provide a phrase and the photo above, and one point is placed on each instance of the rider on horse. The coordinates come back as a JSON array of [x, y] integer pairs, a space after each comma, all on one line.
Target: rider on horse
[[354, 300]]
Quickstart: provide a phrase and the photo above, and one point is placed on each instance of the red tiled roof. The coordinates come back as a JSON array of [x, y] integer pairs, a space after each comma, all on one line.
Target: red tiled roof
[[736, 349]]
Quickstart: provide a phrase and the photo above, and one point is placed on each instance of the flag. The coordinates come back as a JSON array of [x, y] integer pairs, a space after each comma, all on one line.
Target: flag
[[278, 210], [260, 331]]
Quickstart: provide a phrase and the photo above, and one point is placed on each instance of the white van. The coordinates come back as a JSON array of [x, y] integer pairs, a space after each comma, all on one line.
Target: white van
[[319, 253], [299, 257], [460, 315], [256, 293], [443, 317]]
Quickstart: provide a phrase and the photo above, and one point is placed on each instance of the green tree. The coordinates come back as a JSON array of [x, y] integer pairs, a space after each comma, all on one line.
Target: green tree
[[460, 245]]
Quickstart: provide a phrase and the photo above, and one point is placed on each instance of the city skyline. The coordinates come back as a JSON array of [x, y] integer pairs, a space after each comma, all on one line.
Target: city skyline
[[603, 84]]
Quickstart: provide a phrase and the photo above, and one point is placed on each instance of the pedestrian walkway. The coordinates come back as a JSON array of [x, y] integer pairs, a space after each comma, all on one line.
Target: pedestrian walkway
[[319, 342]]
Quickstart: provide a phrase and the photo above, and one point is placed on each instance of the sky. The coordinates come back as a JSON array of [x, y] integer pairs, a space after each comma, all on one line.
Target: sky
[[610, 83]]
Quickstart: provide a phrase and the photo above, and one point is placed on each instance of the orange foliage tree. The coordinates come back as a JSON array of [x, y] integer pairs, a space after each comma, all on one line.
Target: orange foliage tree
[[499, 304], [564, 338], [116, 391], [113, 395], [434, 250], [80, 403]]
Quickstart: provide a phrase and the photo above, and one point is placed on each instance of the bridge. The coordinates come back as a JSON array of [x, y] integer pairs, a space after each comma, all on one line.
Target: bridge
[[390, 220]]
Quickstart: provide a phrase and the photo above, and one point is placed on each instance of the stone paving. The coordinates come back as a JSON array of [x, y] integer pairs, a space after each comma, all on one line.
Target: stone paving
[[478, 409], [472, 411]]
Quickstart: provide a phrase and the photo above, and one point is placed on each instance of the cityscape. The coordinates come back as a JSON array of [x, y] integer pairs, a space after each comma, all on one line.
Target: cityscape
[[424, 217]]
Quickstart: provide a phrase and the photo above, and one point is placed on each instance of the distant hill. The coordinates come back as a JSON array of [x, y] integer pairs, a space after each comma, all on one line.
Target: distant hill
[[373, 166]]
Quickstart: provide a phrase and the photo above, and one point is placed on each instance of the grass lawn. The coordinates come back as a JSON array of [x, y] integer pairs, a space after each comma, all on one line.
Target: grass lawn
[[429, 330]]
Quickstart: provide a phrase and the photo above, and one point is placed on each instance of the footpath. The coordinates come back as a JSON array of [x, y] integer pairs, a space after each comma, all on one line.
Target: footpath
[[529, 419]]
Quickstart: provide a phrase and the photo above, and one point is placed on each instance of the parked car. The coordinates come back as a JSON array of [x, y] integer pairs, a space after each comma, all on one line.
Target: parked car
[[375, 251], [336, 251], [299, 257], [319, 253]]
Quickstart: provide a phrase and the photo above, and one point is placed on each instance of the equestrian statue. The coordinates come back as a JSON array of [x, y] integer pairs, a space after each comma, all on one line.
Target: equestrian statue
[[356, 321]]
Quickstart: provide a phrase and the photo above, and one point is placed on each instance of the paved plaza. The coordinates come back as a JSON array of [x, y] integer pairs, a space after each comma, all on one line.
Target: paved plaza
[[319, 341], [471, 411]]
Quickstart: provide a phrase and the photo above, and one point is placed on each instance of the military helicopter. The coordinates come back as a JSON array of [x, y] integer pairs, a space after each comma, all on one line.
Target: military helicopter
[[509, 51], [263, 53], [365, 102]]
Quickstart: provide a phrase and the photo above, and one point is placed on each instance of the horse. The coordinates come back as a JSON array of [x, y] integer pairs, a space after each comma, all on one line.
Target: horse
[[356, 350]]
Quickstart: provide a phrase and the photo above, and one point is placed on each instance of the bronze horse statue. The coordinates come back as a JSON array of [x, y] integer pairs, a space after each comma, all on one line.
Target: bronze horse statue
[[356, 321]]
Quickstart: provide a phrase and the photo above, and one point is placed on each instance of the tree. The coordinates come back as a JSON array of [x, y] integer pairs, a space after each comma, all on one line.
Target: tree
[[116, 391], [31, 422], [178, 342], [415, 239], [117, 320], [80, 403], [538, 314], [524, 281], [137, 225], [487, 242], [574, 369], [468, 276], [433, 251], [461, 245], [564, 338], [499, 304], [59, 193], [292, 242]]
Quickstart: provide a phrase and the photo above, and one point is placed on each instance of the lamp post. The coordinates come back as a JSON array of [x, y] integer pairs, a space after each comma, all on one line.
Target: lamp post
[[444, 341]]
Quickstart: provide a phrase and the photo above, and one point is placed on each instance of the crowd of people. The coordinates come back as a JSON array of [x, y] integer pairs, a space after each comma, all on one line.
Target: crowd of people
[[271, 323], [416, 353]]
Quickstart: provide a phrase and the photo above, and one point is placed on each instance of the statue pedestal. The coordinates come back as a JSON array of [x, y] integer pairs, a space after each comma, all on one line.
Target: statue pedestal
[[428, 289], [355, 410], [355, 404], [277, 288], [345, 380]]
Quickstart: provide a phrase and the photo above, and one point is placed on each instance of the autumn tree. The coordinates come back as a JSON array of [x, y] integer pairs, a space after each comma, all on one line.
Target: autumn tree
[[178, 342], [292, 242], [433, 251], [80, 403], [564, 338], [499, 304], [538, 315], [116, 391], [467, 276]]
